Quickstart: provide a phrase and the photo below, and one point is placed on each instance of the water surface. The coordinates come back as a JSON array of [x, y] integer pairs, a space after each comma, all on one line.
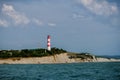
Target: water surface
[[75, 71]]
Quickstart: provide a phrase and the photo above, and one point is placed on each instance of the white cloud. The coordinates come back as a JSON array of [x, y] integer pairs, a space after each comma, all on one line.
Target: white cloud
[[75, 15], [51, 24], [42, 23], [16, 16], [38, 22], [100, 7], [3, 23]]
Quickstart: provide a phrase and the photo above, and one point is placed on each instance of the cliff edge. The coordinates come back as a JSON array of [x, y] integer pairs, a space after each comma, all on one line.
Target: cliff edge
[[57, 58]]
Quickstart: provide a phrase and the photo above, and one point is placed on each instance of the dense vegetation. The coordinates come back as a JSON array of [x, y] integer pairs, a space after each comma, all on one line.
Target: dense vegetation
[[30, 52]]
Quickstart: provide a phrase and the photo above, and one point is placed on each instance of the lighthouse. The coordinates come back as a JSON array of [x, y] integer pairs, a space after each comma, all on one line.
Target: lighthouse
[[48, 43]]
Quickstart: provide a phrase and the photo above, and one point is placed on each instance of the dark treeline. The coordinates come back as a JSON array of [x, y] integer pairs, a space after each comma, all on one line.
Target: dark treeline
[[30, 52]]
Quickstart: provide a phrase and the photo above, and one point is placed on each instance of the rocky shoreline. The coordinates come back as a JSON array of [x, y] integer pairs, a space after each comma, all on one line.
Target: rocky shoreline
[[58, 58]]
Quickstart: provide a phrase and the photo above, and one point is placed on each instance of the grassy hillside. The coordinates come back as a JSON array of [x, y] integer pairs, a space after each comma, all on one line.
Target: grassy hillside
[[80, 55]]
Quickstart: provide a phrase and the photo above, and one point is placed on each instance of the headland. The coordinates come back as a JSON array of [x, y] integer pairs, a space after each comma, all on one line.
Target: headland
[[42, 56]]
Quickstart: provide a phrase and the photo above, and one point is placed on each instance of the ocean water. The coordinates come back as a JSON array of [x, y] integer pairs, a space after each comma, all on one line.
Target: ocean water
[[74, 71]]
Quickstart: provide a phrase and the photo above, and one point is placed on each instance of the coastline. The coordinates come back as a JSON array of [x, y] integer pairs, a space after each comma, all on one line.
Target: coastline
[[58, 58]]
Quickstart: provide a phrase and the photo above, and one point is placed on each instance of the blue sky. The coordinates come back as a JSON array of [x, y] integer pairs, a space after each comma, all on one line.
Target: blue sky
[[75, 25]]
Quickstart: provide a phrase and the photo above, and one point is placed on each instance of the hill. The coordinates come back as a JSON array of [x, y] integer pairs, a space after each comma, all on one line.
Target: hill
[[43, 56]]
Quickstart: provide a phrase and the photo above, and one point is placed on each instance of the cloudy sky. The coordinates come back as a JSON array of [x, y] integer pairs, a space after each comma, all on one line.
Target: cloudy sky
[[75, 25]]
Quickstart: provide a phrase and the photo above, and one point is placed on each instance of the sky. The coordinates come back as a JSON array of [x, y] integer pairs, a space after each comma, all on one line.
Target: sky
[[91, 26]]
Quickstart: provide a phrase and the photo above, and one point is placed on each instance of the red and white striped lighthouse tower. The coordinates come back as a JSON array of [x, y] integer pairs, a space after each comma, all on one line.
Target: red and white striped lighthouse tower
[[48, 43]]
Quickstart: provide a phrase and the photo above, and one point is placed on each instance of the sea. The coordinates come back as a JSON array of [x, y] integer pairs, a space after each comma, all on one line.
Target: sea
[[68, 71]]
